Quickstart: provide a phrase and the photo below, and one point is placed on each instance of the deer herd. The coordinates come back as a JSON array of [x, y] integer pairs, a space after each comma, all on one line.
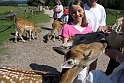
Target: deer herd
[[80, 51]]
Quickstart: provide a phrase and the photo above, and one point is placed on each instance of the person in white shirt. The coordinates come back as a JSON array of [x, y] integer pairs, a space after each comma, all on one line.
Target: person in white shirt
[[95, 14], [58, 11]]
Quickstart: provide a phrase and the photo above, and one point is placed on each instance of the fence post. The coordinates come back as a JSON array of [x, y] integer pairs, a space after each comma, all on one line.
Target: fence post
[[14, 17], [117, 14], [32, 12], [25, 14]]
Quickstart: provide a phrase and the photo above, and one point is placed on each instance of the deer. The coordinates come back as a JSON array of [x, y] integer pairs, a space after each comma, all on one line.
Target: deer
[[18, 75], [78, 57], [117, 24], [83, 39], [22, 25], [56, 26]]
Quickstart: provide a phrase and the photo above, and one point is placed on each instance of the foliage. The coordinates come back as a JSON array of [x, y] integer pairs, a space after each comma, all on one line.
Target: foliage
[[8, 3], [35, 2], [114, 4]]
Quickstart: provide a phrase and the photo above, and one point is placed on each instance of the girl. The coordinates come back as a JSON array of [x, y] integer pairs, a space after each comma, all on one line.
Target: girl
[[77, 23]]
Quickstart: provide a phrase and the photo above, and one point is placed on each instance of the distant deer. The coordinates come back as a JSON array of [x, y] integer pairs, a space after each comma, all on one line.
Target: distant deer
[[56, 26]]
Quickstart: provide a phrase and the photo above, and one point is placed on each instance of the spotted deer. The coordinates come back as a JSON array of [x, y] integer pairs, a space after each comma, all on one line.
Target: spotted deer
[[117, 24], [78, 57], [56, 26], [17, 75], [22, 25]]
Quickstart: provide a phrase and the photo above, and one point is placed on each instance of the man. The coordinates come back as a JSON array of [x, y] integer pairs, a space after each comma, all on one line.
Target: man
[[95, 14]]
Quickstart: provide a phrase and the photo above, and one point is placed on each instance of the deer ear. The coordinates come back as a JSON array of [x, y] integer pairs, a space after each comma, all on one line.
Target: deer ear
[[60, 50], [69, 64]]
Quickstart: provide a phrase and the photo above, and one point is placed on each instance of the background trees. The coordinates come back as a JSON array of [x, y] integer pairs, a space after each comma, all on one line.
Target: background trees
[[112, 4]]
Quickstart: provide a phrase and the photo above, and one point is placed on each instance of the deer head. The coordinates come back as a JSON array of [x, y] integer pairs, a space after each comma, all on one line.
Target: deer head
[[78, 57]]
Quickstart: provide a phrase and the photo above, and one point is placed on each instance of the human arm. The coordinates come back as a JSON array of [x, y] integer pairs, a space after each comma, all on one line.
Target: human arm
[[101, 28], [64, 40], [115, 54], [64, 33], [103, 19]]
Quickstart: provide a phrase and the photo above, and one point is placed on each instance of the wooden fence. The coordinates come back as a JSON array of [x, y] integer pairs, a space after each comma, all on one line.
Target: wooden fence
[[33, 11]]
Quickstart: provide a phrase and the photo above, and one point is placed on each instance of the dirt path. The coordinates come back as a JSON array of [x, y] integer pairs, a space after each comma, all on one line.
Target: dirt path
[[39, 55]]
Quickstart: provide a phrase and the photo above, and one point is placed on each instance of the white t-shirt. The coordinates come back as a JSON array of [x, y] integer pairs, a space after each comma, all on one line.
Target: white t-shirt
[[59, 15], [95, 16]]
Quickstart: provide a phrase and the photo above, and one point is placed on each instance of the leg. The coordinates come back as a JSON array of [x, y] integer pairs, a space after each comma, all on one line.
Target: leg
[[16, 35], [30, 35], [20, 34], [54, 37], [33, 34]]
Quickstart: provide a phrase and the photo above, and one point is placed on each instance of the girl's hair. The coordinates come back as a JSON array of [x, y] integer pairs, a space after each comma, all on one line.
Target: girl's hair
[[81, 4]]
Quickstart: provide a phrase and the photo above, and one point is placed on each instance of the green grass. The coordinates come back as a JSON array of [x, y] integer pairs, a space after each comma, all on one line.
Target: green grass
[[110, 18], [6, 9]]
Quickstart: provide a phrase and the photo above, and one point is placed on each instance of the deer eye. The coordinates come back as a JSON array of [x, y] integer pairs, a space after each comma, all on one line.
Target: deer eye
[[87, 54]]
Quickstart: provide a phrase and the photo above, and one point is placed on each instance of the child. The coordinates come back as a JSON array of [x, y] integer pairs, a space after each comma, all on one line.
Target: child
[[65, 15], [77, 24]]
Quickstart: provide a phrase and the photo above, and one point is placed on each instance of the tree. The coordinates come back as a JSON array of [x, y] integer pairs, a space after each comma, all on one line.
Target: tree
[[34, 2]]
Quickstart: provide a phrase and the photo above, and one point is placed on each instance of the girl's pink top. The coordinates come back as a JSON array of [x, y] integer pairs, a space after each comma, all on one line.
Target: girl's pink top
[[69, 30]]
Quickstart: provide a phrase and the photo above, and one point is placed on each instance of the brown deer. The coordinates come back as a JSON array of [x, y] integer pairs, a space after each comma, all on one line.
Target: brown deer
[[78, 57], [56, 26], [22, 25], [83, 39]]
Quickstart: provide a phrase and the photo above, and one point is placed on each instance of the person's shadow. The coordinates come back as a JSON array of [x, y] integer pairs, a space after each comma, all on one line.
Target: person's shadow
[[51, 77]]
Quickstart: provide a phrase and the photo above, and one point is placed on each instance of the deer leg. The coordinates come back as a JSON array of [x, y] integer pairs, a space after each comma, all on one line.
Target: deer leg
[[54, 37], [33, 34], [16, 35], [20, 34], [30, 35], [58, 36]]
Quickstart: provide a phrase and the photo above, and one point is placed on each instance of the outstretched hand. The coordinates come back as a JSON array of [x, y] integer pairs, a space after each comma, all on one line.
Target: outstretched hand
[[114, 54]]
